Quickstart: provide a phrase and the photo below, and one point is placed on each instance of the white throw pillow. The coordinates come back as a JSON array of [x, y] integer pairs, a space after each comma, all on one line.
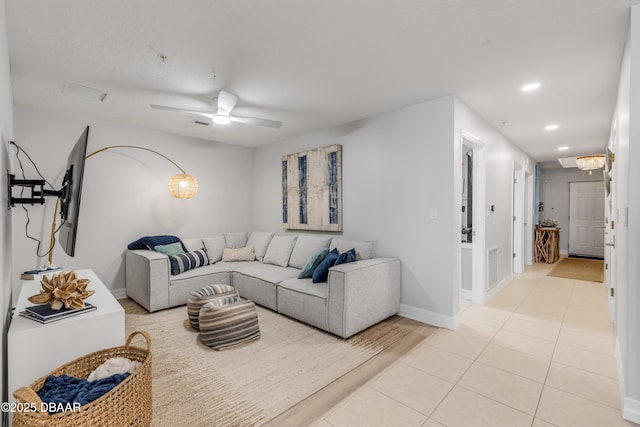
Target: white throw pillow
[[214, 247], [279, 250], [259, 240]]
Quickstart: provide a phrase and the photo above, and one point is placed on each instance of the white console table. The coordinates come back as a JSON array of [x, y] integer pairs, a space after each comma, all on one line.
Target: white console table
[[35, 349]]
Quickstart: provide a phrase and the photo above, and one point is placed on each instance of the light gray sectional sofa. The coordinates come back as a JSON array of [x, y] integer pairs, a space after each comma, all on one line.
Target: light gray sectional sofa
[[355, 296]]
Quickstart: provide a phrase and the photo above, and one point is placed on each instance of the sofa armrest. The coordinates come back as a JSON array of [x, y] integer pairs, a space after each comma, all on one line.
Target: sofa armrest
[[361, 294], [147, 276]]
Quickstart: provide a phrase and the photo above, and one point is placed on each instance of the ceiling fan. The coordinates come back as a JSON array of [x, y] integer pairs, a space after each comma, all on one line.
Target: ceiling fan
[[226, 103]]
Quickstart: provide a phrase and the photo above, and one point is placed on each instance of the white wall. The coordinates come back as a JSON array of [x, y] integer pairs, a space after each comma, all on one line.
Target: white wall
[[125, 192], [396, 167], [6, 134], [500, 156], [625, 199], [555, 196]]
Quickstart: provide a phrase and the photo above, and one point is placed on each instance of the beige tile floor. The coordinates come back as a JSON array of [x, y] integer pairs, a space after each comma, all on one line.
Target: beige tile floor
[[539, 354]]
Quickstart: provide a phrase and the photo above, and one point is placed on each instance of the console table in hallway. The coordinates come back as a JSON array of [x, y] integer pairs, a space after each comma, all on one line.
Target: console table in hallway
[[547, 244]]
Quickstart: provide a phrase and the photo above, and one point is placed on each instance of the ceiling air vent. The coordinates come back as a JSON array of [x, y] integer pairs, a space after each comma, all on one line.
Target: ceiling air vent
[[84, 92]]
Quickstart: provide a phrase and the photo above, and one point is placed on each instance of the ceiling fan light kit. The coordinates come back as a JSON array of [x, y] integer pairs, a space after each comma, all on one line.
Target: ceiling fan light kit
[[221, 119], [226, 102]]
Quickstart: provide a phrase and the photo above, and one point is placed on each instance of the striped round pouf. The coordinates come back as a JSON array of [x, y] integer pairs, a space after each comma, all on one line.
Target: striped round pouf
[[204, 295], [224, 324]]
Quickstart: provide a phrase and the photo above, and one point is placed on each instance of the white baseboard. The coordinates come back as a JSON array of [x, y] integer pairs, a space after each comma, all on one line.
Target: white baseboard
[[564, 252], [429, 317], [497, 288], [466, 294], [630, 407], [631, 410], [119, 293]]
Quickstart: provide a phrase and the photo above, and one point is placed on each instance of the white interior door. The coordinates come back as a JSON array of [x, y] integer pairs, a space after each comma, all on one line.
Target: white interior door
[[586, 219]]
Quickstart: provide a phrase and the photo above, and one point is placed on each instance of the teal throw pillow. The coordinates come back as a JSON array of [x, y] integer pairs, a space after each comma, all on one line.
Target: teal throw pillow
[[321, 273], [314, 261], [170, 249], [346, 256]]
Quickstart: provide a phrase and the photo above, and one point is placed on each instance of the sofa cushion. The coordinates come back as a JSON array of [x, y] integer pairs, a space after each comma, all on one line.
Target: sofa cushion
[[214, 247], [187, 261], [259, 240], [236, 239], [238, 254], [364, 250], [170, 249], [305, 301], [314, 261], [321, 272], [193, 244], [345, 257], [268, 272], [279, 250], [305, 248]]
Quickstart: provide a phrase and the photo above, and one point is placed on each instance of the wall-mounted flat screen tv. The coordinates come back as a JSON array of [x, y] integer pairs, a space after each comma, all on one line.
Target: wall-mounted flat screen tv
[[71, 192]]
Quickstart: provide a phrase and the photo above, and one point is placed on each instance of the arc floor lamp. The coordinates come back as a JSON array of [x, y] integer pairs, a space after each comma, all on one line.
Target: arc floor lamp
[[181, 186]]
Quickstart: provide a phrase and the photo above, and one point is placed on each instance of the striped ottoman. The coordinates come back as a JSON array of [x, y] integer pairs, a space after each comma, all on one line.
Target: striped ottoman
[[204, 295], [226, 323]]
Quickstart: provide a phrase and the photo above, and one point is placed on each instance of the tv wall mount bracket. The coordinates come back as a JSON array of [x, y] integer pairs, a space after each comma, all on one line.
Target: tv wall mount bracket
[[35, 187]]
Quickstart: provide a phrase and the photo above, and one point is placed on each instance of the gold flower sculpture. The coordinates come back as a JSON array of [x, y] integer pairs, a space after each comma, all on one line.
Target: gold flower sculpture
[[63, 289]]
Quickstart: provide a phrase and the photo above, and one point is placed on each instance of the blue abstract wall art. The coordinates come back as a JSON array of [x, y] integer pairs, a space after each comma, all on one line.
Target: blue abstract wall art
[[312, 189]]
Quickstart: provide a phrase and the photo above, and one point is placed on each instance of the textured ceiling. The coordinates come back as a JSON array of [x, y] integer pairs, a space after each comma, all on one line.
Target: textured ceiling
[[314, 65]]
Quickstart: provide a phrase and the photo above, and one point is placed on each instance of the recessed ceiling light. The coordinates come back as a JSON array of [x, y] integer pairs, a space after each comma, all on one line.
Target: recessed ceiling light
[[551, 127], [563, 148], [531, 86]]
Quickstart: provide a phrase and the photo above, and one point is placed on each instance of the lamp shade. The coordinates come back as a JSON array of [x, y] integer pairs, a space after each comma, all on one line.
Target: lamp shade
[[183, 186]]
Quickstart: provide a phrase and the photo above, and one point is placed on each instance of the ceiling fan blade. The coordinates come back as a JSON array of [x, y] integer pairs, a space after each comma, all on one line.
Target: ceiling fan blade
[[259, 122], [226, 102], [181, 110]]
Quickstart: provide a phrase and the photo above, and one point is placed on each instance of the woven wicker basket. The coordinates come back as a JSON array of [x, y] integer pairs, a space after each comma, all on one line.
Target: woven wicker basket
[[127, 404]]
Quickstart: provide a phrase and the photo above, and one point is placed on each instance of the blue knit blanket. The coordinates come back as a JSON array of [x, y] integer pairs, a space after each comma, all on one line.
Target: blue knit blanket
[[60, 391]]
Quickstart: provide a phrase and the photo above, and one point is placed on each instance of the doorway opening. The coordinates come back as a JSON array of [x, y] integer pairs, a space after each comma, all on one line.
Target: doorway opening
[[472, 220]]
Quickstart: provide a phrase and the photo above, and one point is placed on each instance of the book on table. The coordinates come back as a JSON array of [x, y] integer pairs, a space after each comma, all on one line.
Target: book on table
[[43, 313]]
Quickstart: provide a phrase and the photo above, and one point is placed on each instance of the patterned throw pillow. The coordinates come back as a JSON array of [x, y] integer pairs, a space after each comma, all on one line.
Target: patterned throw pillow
[[238, 254], [186, 261]]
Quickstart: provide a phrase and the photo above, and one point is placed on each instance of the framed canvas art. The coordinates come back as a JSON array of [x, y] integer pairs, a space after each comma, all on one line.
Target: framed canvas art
[[312, 189]]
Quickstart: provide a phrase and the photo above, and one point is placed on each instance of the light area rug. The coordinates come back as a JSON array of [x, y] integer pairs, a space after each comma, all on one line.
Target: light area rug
[[590, 270], [250, 384]]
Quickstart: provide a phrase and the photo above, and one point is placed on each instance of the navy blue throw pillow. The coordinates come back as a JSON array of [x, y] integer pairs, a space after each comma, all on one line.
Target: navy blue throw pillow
[[321, 272], [149, 242], [346, 256]]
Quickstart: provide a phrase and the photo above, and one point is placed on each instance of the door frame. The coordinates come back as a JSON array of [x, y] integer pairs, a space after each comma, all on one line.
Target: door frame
[[517, 211], [478, 246]]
